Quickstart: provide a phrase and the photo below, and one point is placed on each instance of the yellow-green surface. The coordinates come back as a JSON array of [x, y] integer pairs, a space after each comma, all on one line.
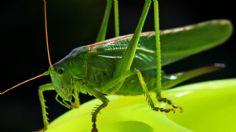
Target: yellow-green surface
[[207, 106]]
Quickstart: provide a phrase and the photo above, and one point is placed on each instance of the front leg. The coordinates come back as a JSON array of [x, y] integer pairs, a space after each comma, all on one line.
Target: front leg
[[43, 88]]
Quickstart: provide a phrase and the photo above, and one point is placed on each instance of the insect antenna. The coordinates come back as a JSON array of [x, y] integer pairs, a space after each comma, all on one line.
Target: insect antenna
[[26, 81], [46, 32], [48, 53]]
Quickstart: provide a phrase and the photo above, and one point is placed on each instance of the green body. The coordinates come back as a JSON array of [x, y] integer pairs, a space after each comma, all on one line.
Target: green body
[[94, 65]]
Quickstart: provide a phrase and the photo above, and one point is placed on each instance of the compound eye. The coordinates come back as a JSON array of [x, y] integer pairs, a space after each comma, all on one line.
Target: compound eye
[[60, 70]]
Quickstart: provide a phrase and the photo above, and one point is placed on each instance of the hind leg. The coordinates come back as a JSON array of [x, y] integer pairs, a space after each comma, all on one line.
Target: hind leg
[[103, 28], [158, 59]]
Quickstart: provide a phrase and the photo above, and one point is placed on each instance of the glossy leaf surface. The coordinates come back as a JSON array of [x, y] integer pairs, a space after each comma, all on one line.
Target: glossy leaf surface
[[208, 106]]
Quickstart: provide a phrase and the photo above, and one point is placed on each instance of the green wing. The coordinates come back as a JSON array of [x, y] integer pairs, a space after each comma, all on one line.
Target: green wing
[[176, 44], [183, 42]]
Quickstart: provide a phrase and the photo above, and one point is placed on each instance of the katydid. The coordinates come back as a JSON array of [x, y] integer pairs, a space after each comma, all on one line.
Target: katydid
[[129, 64]]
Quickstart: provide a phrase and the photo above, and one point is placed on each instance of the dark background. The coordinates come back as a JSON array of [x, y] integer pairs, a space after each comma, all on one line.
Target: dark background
[[76, 22]]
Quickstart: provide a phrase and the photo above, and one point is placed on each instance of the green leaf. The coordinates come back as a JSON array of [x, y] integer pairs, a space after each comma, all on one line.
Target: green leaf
[[207, 106]]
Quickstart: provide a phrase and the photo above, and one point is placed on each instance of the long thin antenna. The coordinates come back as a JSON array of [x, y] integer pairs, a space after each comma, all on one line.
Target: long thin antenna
[[46, 33], [48, 52], [19, 84]]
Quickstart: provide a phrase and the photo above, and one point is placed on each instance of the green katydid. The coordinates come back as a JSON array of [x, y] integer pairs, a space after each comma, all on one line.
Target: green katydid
[[129, 64]]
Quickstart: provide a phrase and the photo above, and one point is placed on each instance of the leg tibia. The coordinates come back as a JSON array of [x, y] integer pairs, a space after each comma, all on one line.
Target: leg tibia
[[158, 60], [129, 54], [116, 18], [145, 89], [158, 48], [149, 99], [103, 29], [43, 88], [104, 100]]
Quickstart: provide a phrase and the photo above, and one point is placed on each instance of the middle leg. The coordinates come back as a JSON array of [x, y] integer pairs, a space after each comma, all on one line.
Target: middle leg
[[104, 100]]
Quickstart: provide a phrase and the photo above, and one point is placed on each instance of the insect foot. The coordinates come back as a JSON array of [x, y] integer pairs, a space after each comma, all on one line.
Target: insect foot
[[94, 129], [41, 130], [169, 102]]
